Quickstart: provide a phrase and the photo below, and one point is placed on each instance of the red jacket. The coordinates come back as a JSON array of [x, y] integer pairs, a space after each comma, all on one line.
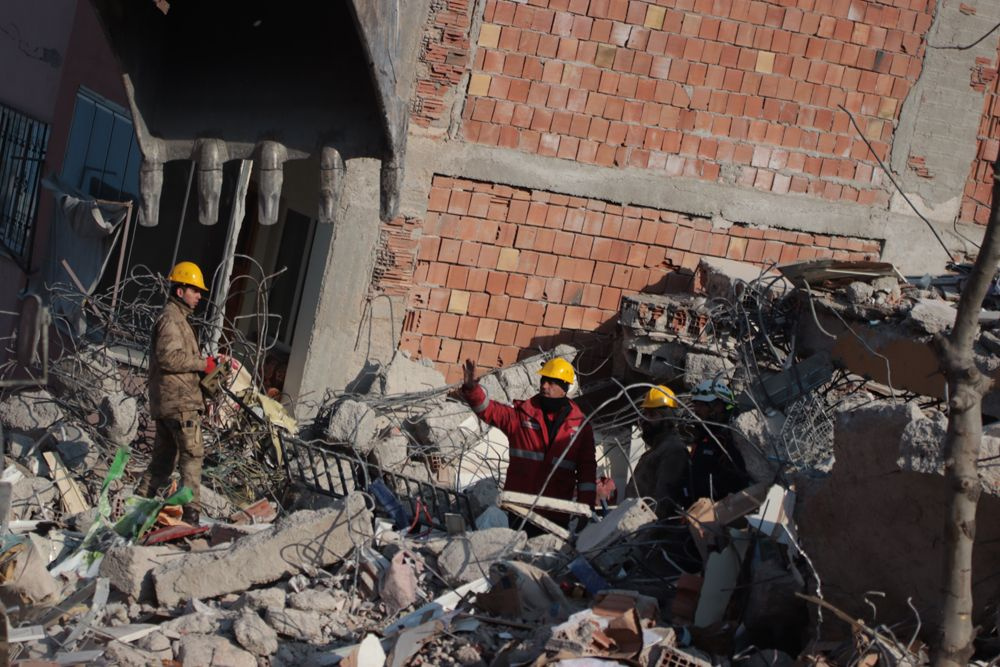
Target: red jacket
[[532, 456]]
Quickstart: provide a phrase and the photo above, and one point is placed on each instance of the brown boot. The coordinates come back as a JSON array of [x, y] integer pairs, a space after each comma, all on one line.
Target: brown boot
[[191, 515]]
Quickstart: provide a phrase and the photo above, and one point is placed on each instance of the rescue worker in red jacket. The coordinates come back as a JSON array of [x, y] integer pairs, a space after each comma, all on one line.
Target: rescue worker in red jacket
[[540, 430]]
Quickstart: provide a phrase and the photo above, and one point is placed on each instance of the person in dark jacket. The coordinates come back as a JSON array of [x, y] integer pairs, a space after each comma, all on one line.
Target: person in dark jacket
[[175, 397], [547, 436], [716, 466], [661, 473]]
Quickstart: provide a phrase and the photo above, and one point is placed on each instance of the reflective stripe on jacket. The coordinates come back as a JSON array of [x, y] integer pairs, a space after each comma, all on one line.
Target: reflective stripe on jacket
[[532, 456], [174, 364]]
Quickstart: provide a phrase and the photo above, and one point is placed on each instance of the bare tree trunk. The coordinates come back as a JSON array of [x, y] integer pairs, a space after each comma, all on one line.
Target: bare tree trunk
[[966, 386]]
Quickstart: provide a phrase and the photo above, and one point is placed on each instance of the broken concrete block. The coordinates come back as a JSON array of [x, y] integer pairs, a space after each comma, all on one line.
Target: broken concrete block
[[699, 367], [316, 600], [158, 644], [492, 517], [212, 650], [895, 517], [301, 541], [392, 452], [254, 634], [119, 418], [482, 495], [468, 557], [405, 376], [860, 293], [305, 626], [932, 315], [30, 411], [594, 540], [719, 278], [882, 424], [920, 445], [262, 598], [129, 568], [886, 289], [198, 622], [440, 429], [519, 384], [353, 423], [494, 390], [757, 438], [120, 653]]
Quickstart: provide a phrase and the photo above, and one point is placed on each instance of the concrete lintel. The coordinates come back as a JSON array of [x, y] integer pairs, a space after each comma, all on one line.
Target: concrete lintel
[[908, 241], [640, 187]]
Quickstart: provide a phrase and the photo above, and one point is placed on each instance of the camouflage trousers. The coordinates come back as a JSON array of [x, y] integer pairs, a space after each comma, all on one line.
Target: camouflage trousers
[[176, 438]]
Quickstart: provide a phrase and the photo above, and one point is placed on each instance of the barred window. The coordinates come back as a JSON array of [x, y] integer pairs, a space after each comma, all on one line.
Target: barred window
[[23, 142]]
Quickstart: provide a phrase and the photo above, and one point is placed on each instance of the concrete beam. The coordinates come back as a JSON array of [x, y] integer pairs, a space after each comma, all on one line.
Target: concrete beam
[[909, 243], [301, 541]]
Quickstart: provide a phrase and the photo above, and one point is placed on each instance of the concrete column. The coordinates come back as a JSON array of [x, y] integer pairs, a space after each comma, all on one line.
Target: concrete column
[[333, 297], [940, 117]]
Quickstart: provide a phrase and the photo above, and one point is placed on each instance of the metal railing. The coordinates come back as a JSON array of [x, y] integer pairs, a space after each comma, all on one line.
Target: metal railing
[[318, 467]]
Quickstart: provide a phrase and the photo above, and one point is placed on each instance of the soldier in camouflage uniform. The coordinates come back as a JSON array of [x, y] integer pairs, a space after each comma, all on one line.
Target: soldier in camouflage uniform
[[175, 397]]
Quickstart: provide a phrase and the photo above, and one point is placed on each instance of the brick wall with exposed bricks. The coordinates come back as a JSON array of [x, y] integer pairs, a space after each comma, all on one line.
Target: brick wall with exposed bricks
[[501, 270], [444, 59], [978, 193], [739, 91]]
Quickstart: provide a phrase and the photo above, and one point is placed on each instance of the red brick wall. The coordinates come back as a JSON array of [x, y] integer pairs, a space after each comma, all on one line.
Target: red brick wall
[[978, 193], [501, 269], [689, 87], [444, 59]]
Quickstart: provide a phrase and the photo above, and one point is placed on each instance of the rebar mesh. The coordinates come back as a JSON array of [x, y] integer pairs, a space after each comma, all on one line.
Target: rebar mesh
[[807, 434]]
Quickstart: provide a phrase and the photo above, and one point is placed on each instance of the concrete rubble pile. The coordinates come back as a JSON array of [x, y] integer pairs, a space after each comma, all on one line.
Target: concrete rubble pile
[[378, 532]]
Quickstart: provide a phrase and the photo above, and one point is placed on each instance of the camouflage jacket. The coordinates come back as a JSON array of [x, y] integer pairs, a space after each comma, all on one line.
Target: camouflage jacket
[[175, 363]]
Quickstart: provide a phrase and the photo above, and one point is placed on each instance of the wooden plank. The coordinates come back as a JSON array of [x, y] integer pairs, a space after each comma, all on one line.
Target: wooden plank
[[538, 520], [73, 501], [545, 503]]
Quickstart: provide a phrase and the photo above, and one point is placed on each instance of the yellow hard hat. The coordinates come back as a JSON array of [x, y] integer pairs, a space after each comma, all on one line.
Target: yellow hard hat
[[187, 273], [558, 369], [659, 397]]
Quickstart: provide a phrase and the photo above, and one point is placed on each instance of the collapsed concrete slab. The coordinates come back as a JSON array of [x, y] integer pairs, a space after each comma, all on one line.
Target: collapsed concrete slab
[[875, 526], [302, 541], [129, 569]]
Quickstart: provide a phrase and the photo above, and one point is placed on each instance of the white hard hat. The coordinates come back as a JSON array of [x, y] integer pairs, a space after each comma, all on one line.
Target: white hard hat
[[712, 390]]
